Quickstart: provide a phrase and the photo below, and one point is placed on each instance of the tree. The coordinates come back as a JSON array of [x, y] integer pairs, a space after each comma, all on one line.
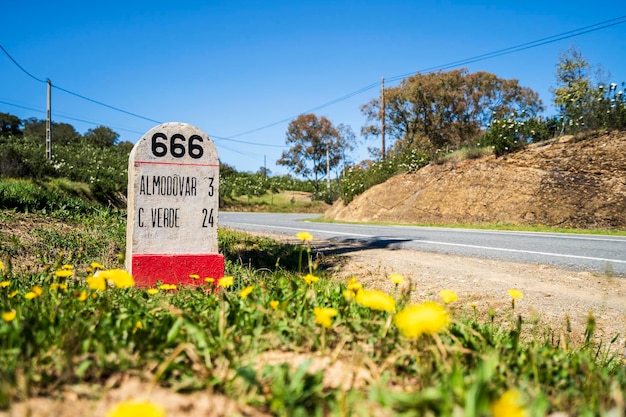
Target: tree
[[101, 136], [316, 145], [446, 109], [576, 96], [62, 133], [10, 125]]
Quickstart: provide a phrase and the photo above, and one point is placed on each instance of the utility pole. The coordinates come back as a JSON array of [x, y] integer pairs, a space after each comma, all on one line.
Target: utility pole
[[382, 115], [327, 169], [48, 124]]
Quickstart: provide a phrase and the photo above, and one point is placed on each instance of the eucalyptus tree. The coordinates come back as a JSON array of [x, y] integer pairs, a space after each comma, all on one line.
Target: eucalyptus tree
[[316, 147], [446, 110]]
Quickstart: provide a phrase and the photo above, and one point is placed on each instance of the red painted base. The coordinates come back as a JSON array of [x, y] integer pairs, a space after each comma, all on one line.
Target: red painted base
[[175, 269]]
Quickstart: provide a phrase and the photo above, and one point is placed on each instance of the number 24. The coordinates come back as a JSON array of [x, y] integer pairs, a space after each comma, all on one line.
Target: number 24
[[208, 218]]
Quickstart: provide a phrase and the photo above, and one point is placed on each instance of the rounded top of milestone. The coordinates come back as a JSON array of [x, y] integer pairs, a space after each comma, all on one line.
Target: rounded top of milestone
[[175, 142]]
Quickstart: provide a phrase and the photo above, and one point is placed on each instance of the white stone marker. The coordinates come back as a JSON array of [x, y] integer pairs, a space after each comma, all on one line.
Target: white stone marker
[[173, 201]]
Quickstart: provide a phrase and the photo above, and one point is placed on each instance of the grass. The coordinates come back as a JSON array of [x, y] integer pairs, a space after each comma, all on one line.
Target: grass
[[488, 226], [467, 152], [264, 341], [282, 202]]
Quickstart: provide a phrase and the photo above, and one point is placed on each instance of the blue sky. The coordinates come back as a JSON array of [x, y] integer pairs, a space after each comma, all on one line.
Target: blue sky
[[230, 67]]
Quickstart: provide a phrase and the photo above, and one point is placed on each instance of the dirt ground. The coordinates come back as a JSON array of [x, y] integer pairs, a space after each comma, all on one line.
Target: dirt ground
[[551, 295]]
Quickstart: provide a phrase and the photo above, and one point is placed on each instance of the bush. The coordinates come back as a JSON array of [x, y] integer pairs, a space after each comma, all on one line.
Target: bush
[[24, 158], [358, 179], [513, 133], [28, 196]]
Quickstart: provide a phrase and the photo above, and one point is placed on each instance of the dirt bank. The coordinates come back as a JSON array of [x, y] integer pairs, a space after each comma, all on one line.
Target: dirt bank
[[566, 182]]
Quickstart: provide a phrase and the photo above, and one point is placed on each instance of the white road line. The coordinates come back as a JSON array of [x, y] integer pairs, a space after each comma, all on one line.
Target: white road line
[[560, 255], [433, 242], [301, 229], [598, 238]]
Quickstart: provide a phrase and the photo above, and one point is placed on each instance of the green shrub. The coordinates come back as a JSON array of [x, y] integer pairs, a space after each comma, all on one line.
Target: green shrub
[[27, 196], [513, 133], [358, 179]]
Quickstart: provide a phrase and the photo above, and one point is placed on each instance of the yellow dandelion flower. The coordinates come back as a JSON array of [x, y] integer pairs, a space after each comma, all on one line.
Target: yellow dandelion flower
[[136, 408], [209, 280], [97, 283], [37, 290], [515, 293], [82, 296], [304, 236], [194, 276], [89, 270], [310, 279], [54, 286], [354, 285], [376, 300], [396, 279], [9, 315], [323, 316], [273, 304], [94, 296], [246, 291], [13, 294], [97, 265], [508, 405], [138, 326], [226, 281], [5, 284], [168, 287], [448, 296], [425, 318], [119, 277], [68, 267], [349, 295], [30, 295], [1, 266], [152, 291], [63, 273]]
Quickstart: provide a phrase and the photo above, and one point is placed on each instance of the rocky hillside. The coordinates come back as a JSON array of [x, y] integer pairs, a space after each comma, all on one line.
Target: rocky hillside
[[567, 182]]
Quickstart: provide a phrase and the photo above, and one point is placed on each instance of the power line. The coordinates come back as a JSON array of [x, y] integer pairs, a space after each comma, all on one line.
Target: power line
[[244, 142], [107, 105], [67, 117], [517, 48], [342, 98], [20, 67], [76, 94], [494, 54], [22, 107], [521, 47]]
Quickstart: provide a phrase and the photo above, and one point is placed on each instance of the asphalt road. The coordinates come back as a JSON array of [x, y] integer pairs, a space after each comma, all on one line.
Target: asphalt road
[[594, 253]]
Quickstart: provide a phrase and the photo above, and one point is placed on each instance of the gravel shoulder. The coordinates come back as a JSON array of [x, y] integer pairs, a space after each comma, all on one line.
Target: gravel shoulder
[[552, 296]]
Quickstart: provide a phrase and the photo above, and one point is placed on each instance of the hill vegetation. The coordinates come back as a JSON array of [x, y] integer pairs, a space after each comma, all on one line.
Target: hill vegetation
[[94, 167]]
